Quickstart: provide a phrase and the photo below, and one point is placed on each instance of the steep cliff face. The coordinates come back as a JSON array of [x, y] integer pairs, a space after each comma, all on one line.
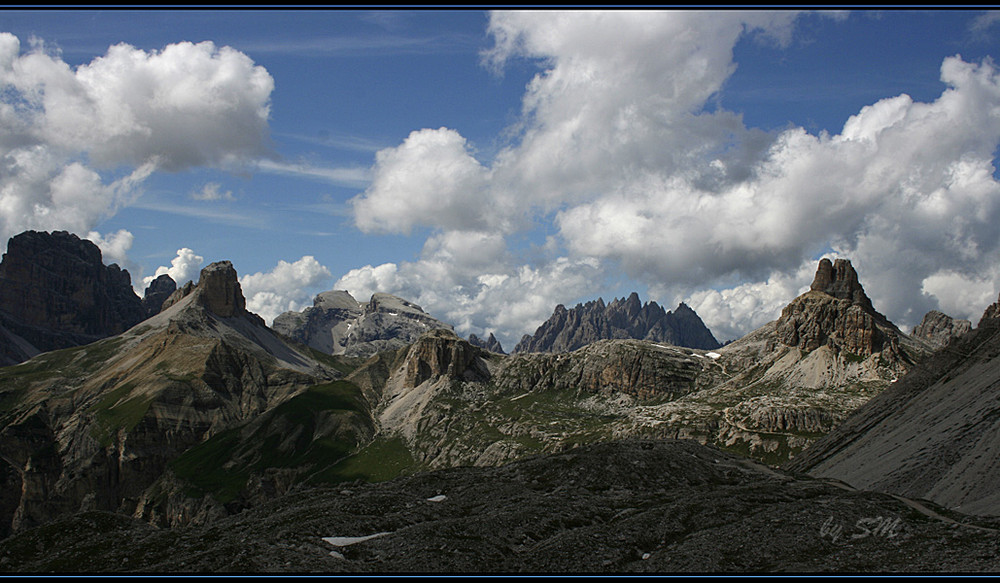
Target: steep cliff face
[[339, 324], [96, 426], [626, 318], [55, 292]]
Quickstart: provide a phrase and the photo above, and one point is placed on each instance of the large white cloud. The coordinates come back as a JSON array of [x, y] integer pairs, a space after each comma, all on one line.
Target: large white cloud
[[76, 143], [184, 267], [287, 287], [621, 145], [430, 179]]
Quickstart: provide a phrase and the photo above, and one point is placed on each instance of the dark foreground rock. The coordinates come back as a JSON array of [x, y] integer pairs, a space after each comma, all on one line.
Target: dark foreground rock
[[624, 507]]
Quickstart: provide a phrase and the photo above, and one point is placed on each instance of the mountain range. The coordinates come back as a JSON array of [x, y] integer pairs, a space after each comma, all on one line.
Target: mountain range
[[348, 419], [567, 330]]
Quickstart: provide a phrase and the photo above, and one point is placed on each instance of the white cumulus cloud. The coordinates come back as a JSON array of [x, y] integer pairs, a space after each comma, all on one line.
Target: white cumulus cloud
[[76, 143], [622, 147], [184, 267], [287, 287]]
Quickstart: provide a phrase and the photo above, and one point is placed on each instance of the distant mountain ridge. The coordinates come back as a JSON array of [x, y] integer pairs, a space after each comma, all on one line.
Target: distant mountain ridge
[[491, 343], [339, 324], [625, 318]]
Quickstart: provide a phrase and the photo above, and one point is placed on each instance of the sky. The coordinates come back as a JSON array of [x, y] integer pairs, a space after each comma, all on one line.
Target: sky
[[491, 165]]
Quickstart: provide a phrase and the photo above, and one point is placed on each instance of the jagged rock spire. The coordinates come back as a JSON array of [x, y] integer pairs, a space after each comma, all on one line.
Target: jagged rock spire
[[839, 280], [836, 312]]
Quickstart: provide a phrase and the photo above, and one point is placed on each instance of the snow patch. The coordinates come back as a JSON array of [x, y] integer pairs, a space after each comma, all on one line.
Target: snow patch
[[713, 355], [438, 498], [345, 541]]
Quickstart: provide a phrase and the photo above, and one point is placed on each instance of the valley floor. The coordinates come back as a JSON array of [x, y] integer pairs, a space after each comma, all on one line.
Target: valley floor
[[650, 506]]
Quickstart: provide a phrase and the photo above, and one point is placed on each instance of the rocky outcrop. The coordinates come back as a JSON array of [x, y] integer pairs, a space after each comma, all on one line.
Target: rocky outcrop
[[339, 324], [491, 343], [836, 312], [626, 318], [938, 329], [55, 292], [441, 353], [178, 295], [219, 291], [156, 293], [639, 369]]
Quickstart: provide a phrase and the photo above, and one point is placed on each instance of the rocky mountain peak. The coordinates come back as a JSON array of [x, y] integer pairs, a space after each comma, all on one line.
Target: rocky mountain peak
[[339, 324], [337, 300], [156, 293], [622, 318], [219, 290], [836, 312], [56, 292], [491, 343], [838, 279]]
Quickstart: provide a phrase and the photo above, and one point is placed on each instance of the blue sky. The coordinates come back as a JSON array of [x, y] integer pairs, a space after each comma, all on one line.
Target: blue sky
[[489, 166]]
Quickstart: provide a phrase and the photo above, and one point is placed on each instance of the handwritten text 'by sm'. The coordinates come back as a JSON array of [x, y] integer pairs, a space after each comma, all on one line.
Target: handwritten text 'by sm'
[[878, 526]]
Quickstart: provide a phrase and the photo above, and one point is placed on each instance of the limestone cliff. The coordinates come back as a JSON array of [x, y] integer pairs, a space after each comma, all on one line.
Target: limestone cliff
[[56, 292], [939, 329]]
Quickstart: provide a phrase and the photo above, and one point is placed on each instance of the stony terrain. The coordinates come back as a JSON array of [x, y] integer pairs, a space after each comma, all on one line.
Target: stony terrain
[[339, 324], [568, 330], [932, 435], [639, 507]]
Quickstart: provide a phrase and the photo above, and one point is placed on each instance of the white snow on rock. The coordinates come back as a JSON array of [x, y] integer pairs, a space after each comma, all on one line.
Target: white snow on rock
[[344, 541], [438, 498], [713, 355]]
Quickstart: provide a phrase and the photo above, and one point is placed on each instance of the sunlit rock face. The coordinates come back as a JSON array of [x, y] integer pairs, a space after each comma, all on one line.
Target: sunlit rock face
[[339, 324]]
